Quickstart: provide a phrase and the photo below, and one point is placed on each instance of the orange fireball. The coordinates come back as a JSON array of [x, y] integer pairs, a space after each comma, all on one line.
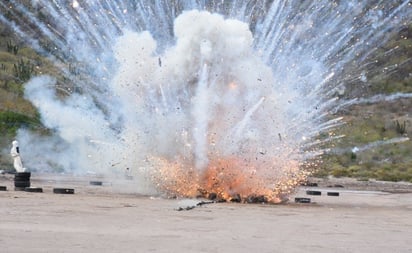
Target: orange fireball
[[229, 178]]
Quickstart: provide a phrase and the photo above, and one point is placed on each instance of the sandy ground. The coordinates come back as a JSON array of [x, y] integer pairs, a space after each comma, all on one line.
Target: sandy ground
[[102, 219]]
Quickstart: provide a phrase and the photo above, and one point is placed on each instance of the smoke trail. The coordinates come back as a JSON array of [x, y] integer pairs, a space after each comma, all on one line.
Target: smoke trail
[[201, 115], [371, 145], [374, 99]]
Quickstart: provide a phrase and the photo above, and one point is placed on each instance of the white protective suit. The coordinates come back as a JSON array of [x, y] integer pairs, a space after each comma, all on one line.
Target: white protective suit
[[15, 153]]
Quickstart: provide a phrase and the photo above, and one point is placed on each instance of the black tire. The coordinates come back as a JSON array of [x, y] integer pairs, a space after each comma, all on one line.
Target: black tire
[[33, 189], [22, 184], [315, 193], [3, 188], [96, 183], [22, 175], [336, 194], [302, 200], [21, 179], [63, 191]]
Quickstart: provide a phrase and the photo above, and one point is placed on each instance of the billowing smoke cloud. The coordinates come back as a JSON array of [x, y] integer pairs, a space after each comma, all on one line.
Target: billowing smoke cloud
[[81, 134], [195, 99], [208, 97]]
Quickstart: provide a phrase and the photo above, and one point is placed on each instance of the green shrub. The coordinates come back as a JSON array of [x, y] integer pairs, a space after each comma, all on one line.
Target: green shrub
[[10, 122], [339, 171]]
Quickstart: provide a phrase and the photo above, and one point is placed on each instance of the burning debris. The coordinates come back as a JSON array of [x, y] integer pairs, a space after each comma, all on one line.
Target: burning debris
[[253, 199], [228, 180], [237, 198]]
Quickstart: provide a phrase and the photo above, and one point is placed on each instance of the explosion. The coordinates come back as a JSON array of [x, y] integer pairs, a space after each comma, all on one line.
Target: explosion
[[229, 103], [208, 113], [231, 179]]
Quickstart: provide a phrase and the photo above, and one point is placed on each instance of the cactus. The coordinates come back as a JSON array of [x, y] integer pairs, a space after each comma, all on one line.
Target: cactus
[[73, 69], [400, 128], [11, 48], [23, 70]]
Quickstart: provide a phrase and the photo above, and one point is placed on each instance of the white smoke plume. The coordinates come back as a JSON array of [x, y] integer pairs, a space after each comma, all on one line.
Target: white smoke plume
[[202, 90], [209, 95]]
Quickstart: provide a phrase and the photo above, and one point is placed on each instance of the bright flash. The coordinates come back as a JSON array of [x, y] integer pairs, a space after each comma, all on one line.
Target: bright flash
[[232, 85], [75, 4]]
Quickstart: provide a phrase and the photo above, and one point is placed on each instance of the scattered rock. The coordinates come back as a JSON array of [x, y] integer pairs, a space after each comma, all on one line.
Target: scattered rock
[[185, 208], [236, 198], [212, 196], [201, 203], [302, 200]]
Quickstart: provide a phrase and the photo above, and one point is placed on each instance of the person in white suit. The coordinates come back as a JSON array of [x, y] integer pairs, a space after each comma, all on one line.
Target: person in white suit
[[15, 153]]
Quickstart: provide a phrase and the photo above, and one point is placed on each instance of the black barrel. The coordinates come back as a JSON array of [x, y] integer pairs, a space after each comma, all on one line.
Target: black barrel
[[22, 180]]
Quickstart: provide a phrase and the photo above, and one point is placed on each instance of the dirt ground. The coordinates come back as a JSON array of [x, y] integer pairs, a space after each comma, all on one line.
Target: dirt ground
[[366, 217]]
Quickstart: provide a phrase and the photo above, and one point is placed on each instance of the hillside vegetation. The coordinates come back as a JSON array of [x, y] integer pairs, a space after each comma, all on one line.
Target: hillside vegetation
[[367, 150]]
